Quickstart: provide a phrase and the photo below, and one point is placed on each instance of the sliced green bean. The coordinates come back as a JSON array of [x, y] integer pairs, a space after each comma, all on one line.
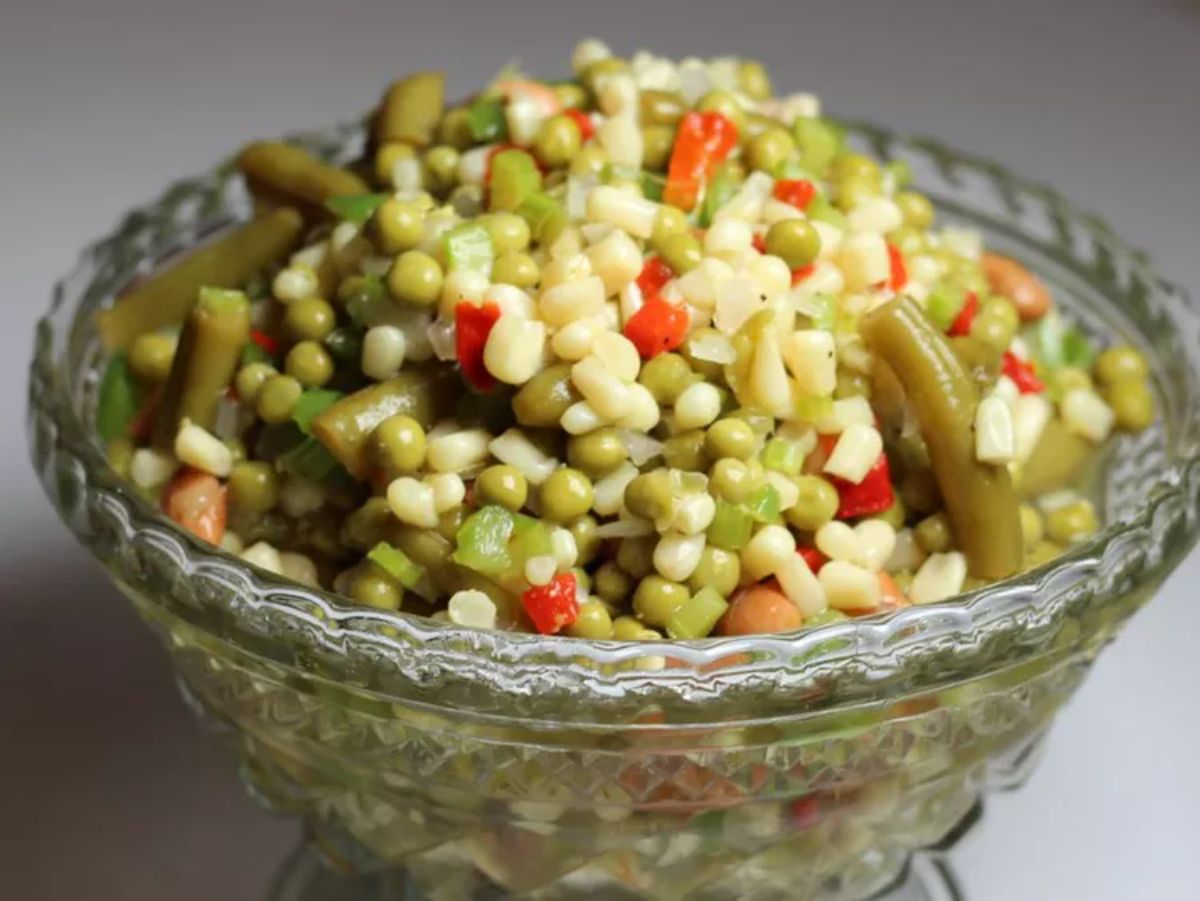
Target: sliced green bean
[[281, 174], [411, 109], [1056, 460], [980, 501]]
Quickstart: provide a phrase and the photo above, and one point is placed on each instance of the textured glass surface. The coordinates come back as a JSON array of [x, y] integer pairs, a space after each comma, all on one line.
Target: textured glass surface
[[749, 767]]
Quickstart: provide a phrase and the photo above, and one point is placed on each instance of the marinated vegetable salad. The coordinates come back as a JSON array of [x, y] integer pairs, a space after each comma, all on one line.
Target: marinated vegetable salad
[[649, 352]]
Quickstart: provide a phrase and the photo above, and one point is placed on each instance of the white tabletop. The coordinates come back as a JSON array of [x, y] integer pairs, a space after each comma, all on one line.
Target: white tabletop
[[107, 787]]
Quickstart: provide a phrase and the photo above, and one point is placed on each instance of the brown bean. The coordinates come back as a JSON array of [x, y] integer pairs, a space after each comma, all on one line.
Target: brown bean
[[1008, 278], [760, 609]]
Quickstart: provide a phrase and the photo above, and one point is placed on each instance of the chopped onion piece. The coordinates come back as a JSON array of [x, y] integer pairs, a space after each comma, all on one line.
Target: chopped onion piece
[[640, 445]]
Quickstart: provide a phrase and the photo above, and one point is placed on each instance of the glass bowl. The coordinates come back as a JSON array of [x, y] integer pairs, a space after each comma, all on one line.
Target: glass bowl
[[812, 765]]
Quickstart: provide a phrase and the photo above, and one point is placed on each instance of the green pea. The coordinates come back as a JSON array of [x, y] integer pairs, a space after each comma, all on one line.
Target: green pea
[[730, 480], [661, 107], [656, 599], [309, 363], [450, 521], [826, 617], [374, 588], [770, 150], [1071, 378], [1121, 364], [502, 484], [753, 80], [151, 356], [399, 225], [994, 331], [566, 494], [636, 555], [856, 165], [916, 209], [598, 452], [1071, 523], [626, 628], [509, 232], [398, 444], [816, 504], [651, 495], [669, 220], [518, 269], [590, 160], [277, 397], [895, 515], [253, 487], [819, 141], [310, 319], [852, 192], [1001, 308], [542, 400], [612, 583], [441, 168], [718, 569], [665, 376], [730, 437], [795, 241], [415, 278], [1132, 403], [933, 534], [570, 94], [725, 103], [587, 545], [610, 65], [251, 378], [920, 491], [1032, 528], [592, 622], [455, 128], [558, 139], [657, 143], [685, 451], [365, 527], [681, 251], [908, 239]]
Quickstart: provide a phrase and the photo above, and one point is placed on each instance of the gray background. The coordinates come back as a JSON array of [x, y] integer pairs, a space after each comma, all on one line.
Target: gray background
[[105, 785]]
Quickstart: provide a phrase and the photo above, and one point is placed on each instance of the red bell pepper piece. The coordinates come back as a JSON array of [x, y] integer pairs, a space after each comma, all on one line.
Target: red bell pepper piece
[[759, 243], [799, 192], [584, 121], [1021, 372], [657, 327], [701, 144], [655, 273], [872, 495], [966, 317], [472, 326], [269, 345], [553, 606], [899, 276], [814, 558], [805, 813], [799, 275]]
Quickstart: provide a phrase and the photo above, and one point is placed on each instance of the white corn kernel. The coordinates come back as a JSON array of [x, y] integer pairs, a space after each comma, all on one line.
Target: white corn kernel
[[511, 300], [701, 285], [629, 301], [856, 452], [616, 259], [621, 138], [412, 502], [875, 214], [448, 490], [907, 554], [618, 354], [514, 348], [771, 274], [1031, 413], [586, 52], [609, 491], [203, 450], [995, 438], [524, 115], [694, 513], [562, 542], [768, 377], [580, 418], [698, 405], [574, 341], [747, 203], [515, 449], [769, 549], [784, 487], [876, 540], [617, 94], [264, 556], [826, 279], [569, 267], [295, 282], [299, 496], [643, 413], [383, 352], [966, 242], [1006, 389], [540, 570], [1086, 414], [458, 450], [461, 285], [802, 587], [608, 395], [941, 576], [473, 164], [777, 211], [837, 541], [811, 355], [831, 242], [849, 587], [471, 607], [616, 207], [150, 468], [566, 302], [298, 568], [728, 237], [677, 556], [864, 261]]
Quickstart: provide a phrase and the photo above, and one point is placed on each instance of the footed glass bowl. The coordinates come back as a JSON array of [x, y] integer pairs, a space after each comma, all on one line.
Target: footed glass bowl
[[456, 763]]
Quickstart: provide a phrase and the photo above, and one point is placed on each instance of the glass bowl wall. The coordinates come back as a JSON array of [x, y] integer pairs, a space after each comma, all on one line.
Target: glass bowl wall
[[757, 767]]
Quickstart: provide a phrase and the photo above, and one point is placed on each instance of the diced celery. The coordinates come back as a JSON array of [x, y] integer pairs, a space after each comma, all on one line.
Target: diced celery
[[482, 541], [812, 409], [697, 616], [530, 538], [731, 527], [819, 141], [764, 505], [945, 302], [312, 402], [487, 122], [821, 210], [514, 176], [782, 456], [396, 564], [470, 247], [119, 399], [356, 208], [543, 213]]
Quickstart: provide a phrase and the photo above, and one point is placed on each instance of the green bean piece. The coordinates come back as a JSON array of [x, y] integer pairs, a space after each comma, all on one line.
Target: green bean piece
[[229, 262], [281, 174], [980, 502], [411, 109], [345, 428], [210, 349], [542, 400], [1056, 461]]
